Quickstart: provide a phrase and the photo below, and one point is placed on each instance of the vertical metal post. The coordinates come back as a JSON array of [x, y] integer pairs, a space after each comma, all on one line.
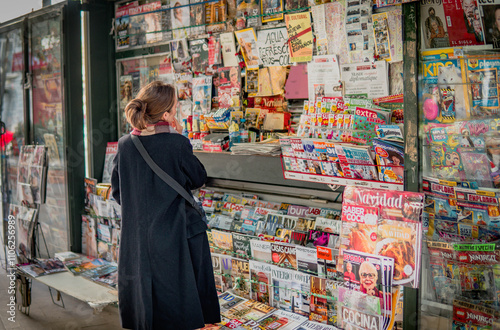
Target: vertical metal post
[[411, 116]]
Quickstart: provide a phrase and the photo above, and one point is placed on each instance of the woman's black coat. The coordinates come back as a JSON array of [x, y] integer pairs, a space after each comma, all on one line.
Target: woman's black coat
[[165, 274]]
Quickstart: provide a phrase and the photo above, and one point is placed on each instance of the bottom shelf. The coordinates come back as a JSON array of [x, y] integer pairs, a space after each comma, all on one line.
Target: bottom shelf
[[342, 181]]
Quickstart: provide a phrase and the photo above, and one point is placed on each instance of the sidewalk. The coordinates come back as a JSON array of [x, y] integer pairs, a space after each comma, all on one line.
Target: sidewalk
[[45, 315]]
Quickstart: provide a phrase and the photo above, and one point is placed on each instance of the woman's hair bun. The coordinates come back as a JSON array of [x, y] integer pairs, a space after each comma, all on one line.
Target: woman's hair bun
[[137, 105], [136, 114]]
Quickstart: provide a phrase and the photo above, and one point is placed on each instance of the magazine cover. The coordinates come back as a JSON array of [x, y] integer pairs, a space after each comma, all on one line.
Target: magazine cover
[[228, 49], [229, 90], [180, 18], [227, 270], [491, 26], [153, 23], [273, 10], [467, 315], [228, 300], [180, 55], [307, 261], [358, 161], [223, 241], [301, 298], [122, 25], [240, 277], [318, 238], [199, 54], [318, 305], [214, 51], [284, 320], [197, 13], [281, 296], [328, 225], [284, 255], [483, 75], [434, 24], [390, 161], [401, 241], [261, 250], [464, 23], [241, 245], [215, 12], [111, 150], [477, 167], [260, 275], [393, 205], [327, 262], [166, 22], [248, 43], [89, 236], [252, 82], [202, 92], [247, 8], [137, 25]]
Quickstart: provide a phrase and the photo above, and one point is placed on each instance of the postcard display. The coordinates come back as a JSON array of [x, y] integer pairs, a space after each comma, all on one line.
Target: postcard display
[[459, 102], [31, 188]]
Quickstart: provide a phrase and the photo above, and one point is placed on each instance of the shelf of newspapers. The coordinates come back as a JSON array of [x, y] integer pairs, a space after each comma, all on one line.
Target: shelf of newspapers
[[341, 181], [95, 295]]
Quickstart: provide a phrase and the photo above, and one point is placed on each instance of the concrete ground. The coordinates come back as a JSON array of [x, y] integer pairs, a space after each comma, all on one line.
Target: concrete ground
[[46, 315]]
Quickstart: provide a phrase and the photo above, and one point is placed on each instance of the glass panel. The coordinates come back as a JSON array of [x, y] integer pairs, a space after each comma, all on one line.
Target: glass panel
[[12, 112], [48, 108], [460, 134], [135, 73]]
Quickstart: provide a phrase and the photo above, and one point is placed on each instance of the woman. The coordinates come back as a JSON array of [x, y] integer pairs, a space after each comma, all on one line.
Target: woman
[[165, 274]]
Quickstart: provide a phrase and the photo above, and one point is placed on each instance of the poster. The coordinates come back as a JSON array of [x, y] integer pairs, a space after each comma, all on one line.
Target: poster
[[359, 30], [318, 15], [248, 43], [214, 47], [335, 29], [273, 47], [365, 78], [323, 76], [433, 22], [395, 20], [272, 9], [300, 36], [202, 92], [228, 49], [464, 23], [382, 37]]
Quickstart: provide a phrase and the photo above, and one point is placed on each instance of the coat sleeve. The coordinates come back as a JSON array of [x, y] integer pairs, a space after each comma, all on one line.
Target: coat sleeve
[[192, 167], [115, 179]]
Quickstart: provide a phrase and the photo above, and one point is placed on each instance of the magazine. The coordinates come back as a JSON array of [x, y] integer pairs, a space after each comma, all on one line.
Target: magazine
[[357, 162], [180, 54], [463, 22], [241, 245], [328, 225], [223, 241], [229, 90], [307, 261], [301, 288], [202, 92], [217, 266], [228, 300], [248, 43], [318, 305], [390, 160], [327, 262], [199, 53], [284, 254], [466, 314], [240, 277], [197, 14], [227, 269], [228, 49], [284, 320], [282, 279], [260, 275], [261, 250], [111, 150]]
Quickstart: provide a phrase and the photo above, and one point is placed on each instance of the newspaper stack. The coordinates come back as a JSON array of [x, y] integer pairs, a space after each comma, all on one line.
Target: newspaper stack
[[257, 148]]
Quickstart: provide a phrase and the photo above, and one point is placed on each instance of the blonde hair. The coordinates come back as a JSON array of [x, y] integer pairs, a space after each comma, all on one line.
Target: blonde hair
[[152, 101]]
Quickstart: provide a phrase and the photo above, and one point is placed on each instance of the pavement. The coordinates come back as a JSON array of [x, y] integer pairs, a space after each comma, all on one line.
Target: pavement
[[44, 314]]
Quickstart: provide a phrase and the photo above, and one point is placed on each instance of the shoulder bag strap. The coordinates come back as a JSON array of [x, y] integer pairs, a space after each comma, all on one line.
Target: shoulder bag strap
[[163, 175]]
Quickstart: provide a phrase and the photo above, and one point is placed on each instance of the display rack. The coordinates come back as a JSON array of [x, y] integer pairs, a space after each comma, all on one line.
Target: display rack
[[341, 181]]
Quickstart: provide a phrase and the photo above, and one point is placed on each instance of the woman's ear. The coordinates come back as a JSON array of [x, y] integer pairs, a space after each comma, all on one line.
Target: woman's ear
[[167, 117]]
